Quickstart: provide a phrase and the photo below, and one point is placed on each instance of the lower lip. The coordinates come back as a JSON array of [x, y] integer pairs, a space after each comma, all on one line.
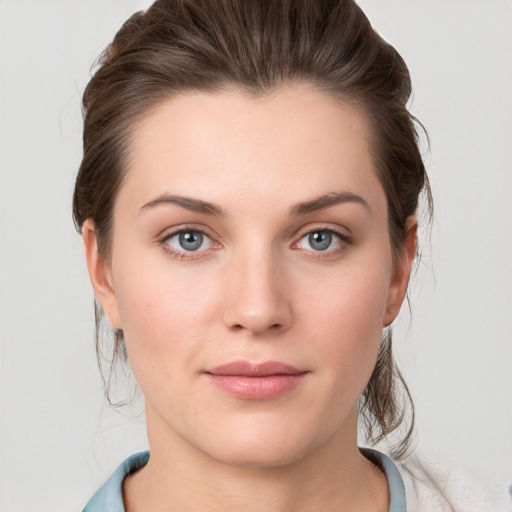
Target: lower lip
[[257, 388]]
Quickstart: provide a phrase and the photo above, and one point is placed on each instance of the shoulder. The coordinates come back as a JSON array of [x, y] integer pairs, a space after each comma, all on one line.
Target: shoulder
[[109, 497], [433, 485]]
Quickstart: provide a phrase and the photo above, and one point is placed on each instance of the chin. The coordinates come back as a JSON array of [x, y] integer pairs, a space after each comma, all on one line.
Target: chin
[[257, 456], [269, 447]]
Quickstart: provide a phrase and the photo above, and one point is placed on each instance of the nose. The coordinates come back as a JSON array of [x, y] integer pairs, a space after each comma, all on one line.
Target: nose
[[258, 298]]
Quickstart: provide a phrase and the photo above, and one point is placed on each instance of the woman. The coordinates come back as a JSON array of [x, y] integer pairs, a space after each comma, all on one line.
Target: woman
[[247, 200]]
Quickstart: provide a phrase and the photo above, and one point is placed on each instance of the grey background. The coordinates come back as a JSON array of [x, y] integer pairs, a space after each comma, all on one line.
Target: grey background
[[57, 440]]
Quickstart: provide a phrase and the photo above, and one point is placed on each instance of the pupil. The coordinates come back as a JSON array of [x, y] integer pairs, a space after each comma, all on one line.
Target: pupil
[[320, 240], [191, 240]]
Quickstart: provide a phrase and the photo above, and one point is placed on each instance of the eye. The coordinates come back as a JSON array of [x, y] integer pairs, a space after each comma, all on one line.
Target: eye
[[322, 240], [188, 240]]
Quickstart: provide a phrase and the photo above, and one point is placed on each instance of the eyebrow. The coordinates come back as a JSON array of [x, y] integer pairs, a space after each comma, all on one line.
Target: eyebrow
[[303, 208], [189, 203], [326, 201]]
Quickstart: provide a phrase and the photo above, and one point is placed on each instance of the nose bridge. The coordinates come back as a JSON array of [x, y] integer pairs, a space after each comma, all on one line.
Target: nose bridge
[[257, 297]]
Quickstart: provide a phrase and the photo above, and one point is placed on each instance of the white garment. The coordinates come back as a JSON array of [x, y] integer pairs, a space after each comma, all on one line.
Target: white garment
[[432, 486]]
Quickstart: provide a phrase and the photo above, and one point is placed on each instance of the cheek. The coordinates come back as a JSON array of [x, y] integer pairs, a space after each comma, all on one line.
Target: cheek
[[351, 301], [345, 319], [165, 314]]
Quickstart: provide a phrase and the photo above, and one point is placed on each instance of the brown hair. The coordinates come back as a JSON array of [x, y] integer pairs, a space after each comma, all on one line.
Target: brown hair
[[256, 46]]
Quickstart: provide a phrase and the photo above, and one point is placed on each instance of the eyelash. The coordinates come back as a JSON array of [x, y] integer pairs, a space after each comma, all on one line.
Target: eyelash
[[182, 255], [343, 239]]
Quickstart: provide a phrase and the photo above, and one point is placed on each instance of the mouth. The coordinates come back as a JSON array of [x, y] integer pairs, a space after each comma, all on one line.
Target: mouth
[[256, 381]]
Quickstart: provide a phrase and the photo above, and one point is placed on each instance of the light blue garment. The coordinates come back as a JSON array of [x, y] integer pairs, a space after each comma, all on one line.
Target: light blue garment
[[109, 497], [397, 501]]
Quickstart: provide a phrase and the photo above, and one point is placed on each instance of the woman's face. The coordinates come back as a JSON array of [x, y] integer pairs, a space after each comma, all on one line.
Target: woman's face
[[251, 272]]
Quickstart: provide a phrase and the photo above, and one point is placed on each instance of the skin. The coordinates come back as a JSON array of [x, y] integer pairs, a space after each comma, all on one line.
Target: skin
[[257, 290]]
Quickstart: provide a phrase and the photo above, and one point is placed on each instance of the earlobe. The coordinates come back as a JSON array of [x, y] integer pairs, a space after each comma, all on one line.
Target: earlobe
[[100, 275], [401, 273]]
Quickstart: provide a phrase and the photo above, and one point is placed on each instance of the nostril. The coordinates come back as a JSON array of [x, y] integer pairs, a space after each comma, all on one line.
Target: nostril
[[273, 327]]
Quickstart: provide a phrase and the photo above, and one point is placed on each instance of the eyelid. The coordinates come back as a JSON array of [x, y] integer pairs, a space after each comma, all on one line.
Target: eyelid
[[343, 233], [183, 254], [344, 240], [172, 230]]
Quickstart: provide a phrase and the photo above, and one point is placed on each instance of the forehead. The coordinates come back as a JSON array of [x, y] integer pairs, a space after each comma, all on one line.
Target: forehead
[[228, 145]]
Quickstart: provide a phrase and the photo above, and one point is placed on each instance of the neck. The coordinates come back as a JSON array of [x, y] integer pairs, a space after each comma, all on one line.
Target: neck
[[178, 477]]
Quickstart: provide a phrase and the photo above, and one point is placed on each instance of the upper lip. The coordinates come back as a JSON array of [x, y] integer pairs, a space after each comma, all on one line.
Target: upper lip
[[249, 369]]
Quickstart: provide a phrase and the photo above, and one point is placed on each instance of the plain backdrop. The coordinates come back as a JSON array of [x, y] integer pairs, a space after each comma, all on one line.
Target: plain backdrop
[[58, 441]]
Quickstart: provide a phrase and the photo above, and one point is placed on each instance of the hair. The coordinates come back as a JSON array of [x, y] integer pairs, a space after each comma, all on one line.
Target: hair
[[256, 46]]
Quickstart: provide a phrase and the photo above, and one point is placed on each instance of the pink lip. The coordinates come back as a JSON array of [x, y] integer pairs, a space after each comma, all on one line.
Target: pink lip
[[252, 381]]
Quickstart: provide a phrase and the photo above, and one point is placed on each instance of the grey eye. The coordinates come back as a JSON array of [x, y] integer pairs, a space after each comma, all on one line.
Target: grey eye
[[322, 240], [190, 240], [188, 243], [319, 240]]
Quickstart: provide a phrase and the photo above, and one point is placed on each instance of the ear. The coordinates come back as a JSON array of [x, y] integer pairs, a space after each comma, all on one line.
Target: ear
[[100, 275], [401, 272]]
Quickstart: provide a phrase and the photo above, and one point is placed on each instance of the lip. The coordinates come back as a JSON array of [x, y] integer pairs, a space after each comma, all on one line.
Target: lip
[[256, 381]]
